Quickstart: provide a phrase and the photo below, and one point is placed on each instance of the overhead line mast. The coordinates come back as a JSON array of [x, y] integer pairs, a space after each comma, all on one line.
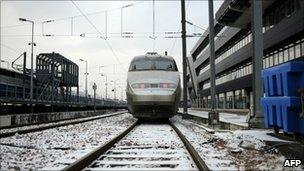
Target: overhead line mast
[[184, 46]]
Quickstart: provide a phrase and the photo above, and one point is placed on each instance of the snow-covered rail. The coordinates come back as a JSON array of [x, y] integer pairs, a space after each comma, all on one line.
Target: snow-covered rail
[[143, 146], [39, 127]]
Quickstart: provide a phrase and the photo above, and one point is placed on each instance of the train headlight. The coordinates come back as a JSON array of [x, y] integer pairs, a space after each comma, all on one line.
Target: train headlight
[[167, 85], [157, 85], [140, 85]]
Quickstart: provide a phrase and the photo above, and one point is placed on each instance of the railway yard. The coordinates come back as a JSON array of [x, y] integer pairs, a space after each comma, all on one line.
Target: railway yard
[[119, 141], [152, 85]]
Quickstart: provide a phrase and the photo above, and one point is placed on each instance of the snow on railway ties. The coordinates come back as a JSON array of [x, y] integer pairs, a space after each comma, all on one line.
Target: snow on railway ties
[[147, 146]]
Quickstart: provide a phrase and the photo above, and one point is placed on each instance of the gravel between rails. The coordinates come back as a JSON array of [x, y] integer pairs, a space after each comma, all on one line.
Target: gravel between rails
[[53, 149], [147, 147]]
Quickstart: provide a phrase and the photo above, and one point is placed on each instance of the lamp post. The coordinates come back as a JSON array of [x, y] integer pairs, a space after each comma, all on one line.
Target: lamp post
[[94, 88], [42, 27], [121, 17], [86, 78], [104, 75], [32, 56], [114, 90], [4, 61]]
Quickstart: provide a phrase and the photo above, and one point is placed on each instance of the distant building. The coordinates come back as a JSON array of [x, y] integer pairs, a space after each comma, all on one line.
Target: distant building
[[283, 31]]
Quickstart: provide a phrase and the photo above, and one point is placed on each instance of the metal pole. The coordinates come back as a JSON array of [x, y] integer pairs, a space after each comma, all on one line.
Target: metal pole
[[213, 116], [72, 32], [24, 74], [86, 81], [212, 55], [106, 24], [42, 28], [185, 99], [121, 22], [153, 19], [32, 68], [114, 89], [106, 86], [101, 86], [94, 88], [0, 33], [257, 62]]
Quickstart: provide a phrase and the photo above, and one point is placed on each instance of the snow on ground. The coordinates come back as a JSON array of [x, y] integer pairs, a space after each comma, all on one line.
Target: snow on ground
[[148, 146], [36, 150], [28, 127], [238, 150], [224, 117]]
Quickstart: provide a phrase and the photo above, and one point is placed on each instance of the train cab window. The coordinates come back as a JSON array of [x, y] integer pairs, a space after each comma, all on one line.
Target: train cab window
[[168, 65], [153, 64], [141, 64]]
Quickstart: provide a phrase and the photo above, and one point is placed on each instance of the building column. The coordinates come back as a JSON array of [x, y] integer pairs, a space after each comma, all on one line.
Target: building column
[[206, 102], [198, 101], [233, 100], [247, 98], [257, 63], [213, 113], [217, 101], [225, 100]]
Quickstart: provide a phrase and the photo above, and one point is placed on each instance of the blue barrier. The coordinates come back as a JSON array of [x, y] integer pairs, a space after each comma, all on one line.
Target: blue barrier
[[283, 112], [301, 125], [284, 79]]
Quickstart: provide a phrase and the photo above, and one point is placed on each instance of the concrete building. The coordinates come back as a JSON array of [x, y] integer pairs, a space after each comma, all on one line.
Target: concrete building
[[283, 39]]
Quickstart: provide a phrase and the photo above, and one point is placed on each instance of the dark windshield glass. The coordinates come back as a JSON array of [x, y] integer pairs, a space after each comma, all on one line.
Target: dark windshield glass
[[142, 65], [153, 64], [164, 65]]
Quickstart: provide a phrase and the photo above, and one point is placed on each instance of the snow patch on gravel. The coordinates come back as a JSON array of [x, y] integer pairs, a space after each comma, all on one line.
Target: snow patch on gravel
[[230, 150], [50, 147]]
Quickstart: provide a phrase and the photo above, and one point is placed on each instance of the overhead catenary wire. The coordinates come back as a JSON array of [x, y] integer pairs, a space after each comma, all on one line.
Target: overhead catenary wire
[[10, 48], [108, 44], [96, 37], [69, 17], [105, 34], [92, 24], [175, 39]]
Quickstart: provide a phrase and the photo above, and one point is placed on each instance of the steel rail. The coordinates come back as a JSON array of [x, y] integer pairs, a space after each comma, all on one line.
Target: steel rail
[[8, 134], [89, 158], [195, 156], [53, 121]]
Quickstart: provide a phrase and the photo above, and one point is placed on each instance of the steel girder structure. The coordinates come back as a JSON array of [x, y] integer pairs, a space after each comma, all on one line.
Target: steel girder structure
[[56, 76]]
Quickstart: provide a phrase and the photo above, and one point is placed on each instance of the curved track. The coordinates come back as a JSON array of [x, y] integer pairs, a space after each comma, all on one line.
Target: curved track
[[143, 146]]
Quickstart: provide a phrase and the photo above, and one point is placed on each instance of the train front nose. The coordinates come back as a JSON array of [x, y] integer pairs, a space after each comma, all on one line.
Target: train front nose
[[153, 94]]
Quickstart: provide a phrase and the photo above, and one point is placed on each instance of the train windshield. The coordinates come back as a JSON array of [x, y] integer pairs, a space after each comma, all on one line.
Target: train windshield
[[153, 64]]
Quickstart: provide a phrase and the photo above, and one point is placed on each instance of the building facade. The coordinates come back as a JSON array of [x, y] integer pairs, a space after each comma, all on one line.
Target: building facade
[[283, 38]]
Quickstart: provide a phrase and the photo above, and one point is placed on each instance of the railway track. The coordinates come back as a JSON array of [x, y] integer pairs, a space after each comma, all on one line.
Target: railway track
[[143, 146], [44, 126]]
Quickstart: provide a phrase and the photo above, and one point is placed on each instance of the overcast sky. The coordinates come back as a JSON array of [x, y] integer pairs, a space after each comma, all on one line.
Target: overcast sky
[[138, 18]]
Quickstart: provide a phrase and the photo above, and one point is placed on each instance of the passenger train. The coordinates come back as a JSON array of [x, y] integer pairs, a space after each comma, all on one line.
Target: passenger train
[[153, 86]]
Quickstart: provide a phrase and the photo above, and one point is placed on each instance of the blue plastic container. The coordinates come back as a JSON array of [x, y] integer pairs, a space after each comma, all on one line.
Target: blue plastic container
[[301, 125], [284, 79], [283, 112]]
